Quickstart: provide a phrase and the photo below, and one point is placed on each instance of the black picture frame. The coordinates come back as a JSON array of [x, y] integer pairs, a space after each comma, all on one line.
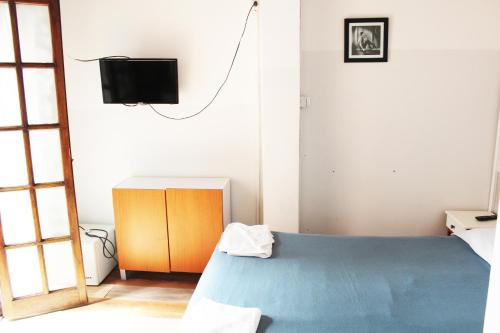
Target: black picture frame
[[366, 39]]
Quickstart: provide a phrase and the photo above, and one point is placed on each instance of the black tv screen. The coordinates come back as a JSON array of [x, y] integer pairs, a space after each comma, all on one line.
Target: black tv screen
[[133, 81]]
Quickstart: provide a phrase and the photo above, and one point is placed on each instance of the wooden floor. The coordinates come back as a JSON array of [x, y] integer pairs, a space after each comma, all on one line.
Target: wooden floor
[[159, 295], [152, 294]]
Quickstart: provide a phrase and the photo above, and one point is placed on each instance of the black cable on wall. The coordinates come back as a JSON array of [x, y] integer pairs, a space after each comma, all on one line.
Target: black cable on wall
[[226, 78]]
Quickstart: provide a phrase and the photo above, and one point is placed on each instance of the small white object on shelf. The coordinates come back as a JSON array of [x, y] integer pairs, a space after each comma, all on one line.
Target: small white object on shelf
[[466, 220]]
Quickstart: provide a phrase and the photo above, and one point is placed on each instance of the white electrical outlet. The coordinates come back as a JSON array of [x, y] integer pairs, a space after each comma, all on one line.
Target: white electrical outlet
[[305, 102]]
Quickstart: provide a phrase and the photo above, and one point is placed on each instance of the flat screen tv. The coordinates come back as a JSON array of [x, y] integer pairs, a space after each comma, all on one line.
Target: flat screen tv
[[139, 80]]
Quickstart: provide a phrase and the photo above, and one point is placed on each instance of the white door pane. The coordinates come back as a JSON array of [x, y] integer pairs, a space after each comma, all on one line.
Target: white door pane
[[17, 217], [52, 212], [34, 33], [46, 155], [40, 92], [10, 113], [60, 266], [24, 271], [6, 45], [13, 164]]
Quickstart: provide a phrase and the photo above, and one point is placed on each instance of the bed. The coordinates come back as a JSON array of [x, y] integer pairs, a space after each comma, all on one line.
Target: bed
[[316, 283]]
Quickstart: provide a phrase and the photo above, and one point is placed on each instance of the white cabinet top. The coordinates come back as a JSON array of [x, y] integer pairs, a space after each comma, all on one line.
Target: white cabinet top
[[160, 183], [467, 219]]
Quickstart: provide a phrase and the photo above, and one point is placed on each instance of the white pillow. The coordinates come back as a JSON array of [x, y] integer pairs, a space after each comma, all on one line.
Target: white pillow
[[481, 240]]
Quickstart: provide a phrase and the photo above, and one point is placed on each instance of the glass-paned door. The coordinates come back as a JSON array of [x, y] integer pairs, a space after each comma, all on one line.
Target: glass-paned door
[[41, 266]]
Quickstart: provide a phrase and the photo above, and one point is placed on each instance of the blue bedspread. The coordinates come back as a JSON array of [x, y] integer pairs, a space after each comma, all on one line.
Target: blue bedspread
[[355, 284]]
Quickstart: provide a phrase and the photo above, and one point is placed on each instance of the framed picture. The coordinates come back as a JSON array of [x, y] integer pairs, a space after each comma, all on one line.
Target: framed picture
[[366, 39]]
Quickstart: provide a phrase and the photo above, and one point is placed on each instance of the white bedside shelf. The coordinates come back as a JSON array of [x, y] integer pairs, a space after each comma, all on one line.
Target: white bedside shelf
[[466, 220]]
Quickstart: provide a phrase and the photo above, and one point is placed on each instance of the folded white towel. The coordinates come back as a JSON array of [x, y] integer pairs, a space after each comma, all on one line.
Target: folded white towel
[[249, 241], [208, 316]]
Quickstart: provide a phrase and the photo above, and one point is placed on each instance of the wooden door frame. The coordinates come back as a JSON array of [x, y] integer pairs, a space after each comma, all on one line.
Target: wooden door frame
[[48, 301]]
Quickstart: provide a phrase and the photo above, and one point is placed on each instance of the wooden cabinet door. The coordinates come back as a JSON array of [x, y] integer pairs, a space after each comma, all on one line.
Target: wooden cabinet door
[[141, 230], [195, 224]]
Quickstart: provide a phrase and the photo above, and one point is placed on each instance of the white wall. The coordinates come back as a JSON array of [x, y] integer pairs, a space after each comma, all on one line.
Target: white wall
[[280, 112], [113, 142], [406, 139]]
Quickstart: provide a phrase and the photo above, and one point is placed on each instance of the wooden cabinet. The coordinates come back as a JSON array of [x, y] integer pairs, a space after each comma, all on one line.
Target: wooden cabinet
[[141, 228], [169, 224], [194, 227]]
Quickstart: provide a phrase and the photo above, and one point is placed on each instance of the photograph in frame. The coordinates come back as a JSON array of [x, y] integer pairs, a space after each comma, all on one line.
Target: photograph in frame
[[366, 40]]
